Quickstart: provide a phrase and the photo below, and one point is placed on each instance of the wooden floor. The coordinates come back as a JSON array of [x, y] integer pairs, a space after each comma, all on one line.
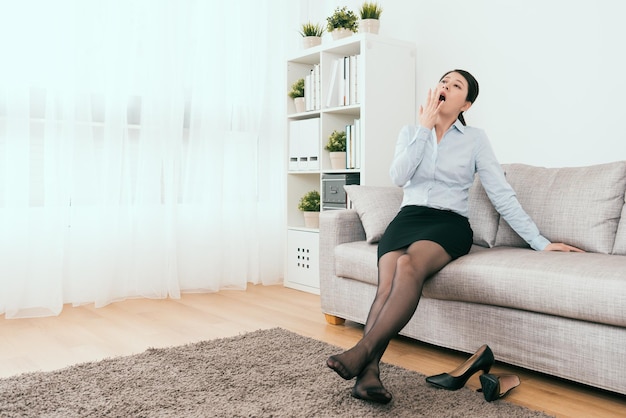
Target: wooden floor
[[84, 334]]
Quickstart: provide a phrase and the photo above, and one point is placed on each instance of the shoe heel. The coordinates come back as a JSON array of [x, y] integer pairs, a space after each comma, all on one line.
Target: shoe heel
[[490, 386], [495, 387]]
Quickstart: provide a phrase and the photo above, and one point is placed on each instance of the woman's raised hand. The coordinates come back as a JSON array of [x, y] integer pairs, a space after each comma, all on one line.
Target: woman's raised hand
[[428, 112]]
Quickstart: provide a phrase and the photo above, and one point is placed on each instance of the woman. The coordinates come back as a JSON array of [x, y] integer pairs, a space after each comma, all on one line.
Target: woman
[[435, 162]]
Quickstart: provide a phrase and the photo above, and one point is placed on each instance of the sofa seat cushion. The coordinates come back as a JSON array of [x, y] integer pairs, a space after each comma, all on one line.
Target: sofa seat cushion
[[585, 286], [357, 260]]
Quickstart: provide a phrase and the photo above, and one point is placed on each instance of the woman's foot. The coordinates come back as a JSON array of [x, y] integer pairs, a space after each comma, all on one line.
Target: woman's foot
[[369, 387], [350, 363]]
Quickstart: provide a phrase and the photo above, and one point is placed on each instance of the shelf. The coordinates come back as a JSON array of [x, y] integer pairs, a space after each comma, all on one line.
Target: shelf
[[383, 100], [302, 229], [304, 115], [353, 110], [346, 171], [304, 172]]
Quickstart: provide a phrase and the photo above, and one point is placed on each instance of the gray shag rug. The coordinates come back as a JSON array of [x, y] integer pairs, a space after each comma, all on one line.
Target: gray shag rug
[[266, 373]]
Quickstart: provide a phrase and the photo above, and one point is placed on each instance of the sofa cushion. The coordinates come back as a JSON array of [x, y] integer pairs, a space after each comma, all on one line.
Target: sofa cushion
[[620, 238], [585, 286], [579, 206], [483, 217], [357, 260], [376, 206]]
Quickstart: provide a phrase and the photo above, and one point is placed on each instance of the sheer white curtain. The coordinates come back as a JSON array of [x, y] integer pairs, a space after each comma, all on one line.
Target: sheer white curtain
[[140, 150]]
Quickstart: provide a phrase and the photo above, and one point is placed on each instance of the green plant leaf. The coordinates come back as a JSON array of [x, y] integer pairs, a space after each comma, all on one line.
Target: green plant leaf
[[310, 202], [297, 89], [336, 141], [343, 18], [310, 29], [370, 10]]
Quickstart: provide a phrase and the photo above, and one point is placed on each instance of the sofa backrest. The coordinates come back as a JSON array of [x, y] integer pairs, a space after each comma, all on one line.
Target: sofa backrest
[[483, 217], [620, 239], [580, 206]]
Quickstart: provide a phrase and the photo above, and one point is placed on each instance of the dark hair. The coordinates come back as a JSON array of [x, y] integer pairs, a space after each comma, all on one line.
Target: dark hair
[[472, 88]]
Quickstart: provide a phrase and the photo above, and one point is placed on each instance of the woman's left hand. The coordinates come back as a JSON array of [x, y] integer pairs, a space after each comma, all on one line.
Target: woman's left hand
[[559, 246]]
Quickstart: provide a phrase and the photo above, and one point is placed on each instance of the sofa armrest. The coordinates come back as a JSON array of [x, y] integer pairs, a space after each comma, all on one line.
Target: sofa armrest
[[339, 226], [336, 227]]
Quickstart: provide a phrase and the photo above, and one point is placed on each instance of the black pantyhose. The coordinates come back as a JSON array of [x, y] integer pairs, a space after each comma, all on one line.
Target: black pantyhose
[[421, 260], [368, 385]]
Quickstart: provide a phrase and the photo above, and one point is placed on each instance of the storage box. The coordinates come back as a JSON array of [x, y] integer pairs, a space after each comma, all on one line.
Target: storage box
[[333, 193], [303, 260]]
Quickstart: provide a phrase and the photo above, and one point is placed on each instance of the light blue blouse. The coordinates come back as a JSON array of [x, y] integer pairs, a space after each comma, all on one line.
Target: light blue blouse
[[440, 175]]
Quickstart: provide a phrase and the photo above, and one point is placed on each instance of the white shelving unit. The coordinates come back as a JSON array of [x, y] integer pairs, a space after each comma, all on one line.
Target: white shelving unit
[[385, 89]]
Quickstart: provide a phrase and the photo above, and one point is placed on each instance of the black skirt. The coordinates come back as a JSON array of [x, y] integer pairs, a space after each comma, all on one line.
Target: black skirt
[[420, 223]]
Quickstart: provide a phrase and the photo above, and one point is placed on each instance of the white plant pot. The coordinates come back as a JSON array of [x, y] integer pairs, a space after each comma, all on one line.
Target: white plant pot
[[300, 104], [341, 33], [311, 41], [311, 219], [338, 160], [369, 25]]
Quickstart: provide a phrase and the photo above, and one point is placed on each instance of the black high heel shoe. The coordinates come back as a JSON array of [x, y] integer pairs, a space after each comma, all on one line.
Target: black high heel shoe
[[481, 360], [495, 387]]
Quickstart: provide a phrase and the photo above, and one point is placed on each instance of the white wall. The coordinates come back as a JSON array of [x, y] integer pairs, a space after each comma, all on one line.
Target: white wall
[[551, 72]]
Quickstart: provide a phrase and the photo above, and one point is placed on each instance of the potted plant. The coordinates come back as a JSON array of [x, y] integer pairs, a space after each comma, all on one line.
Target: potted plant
[[311, 34], [310, 206], [343, 22], [336, 145], [297, 94], [370, 15]]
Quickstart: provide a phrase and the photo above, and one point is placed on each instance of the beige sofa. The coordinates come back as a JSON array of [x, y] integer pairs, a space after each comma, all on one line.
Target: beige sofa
[[558, 313]]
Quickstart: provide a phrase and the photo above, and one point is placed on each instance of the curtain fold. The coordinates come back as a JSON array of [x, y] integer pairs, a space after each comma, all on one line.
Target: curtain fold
[[141, 150]]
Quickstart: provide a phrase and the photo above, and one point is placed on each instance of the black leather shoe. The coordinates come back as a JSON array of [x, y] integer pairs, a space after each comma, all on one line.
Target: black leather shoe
[[495, 387], [481, 360]]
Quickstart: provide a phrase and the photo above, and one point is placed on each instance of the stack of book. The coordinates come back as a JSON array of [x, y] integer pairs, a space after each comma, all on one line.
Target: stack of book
[[353, 145], [312, 90], [343, 88]]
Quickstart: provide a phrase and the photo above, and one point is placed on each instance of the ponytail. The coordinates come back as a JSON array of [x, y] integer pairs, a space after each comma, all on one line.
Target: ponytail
[[462, 119]]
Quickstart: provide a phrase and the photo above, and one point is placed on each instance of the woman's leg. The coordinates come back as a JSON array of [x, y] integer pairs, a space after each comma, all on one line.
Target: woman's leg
[[421, 260], [368, 384]]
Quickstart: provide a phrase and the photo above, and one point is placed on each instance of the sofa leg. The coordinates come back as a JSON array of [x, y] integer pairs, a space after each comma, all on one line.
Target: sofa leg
[[334, 320]]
